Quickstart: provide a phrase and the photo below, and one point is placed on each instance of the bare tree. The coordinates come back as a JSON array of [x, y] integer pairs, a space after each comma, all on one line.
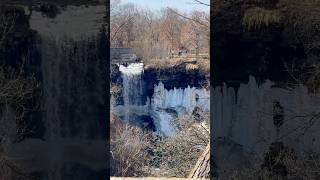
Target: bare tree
[[202, 3], [171, 26], [205, 22], [121, 23], [151, 35]]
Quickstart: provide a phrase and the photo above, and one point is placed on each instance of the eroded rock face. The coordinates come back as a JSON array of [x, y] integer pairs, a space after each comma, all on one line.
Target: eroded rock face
[[48, 9], [261, 52], [71, 22], [173, 77]]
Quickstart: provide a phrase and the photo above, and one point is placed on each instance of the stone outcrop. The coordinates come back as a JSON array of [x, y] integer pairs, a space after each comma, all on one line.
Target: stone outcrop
[[262, 51]]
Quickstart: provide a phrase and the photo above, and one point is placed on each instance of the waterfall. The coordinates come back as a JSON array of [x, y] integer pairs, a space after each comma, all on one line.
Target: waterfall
[[132, 86], [72, 71], [66, 65], [164, 122], [72, 95], [51, 56]]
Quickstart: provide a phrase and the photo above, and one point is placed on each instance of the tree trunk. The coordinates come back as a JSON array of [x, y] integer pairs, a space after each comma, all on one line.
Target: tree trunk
[[202, 168]]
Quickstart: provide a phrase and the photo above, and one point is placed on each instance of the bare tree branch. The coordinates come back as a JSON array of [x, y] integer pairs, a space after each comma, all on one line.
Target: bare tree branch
[[118, 29], [200, 2], [199, 22]]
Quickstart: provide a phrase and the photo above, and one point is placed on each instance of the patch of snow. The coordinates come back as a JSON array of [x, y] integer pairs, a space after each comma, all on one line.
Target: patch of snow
[[131, 69]]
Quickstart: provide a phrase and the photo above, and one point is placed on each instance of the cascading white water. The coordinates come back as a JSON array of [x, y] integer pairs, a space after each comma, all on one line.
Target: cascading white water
[[68, 51], [132, 85], [166, 123], [64, 63], [51, 56]]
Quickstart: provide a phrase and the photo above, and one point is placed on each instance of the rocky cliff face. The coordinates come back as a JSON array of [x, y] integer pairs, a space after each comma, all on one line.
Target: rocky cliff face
[[261, 52], [177, 76]]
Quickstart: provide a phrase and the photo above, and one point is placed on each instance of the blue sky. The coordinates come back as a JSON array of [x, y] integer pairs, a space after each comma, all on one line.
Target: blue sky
[[185, 6]]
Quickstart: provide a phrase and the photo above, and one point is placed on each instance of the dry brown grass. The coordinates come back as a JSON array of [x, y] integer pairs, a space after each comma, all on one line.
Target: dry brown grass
[[9, 170], [181, 152], [306, 167], [202, 64], [15, 89], [302, 17], [129, 155], [136, 153], [17, 95], [16, 92], [165, 63], [257, 17]]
